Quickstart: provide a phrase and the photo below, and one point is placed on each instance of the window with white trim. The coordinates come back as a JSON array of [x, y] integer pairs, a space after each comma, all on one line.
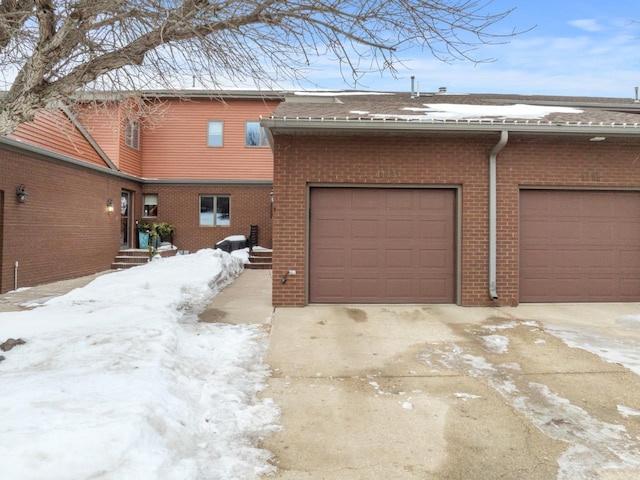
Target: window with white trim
[[215, 210]]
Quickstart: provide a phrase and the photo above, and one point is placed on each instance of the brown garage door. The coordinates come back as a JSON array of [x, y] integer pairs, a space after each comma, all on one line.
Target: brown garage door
[[376, 245], [578, 246]]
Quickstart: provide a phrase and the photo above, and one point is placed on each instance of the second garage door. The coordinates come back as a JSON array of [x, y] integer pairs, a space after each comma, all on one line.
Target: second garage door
[[579, 246], [379, 245]]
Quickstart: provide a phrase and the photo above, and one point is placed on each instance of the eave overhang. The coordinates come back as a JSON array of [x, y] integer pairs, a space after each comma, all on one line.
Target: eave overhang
[[288, 124]]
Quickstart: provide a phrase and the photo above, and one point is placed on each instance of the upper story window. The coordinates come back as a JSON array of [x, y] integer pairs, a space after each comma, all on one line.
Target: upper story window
[[214, 138], [255, 135], [132, 133], [150, 201]]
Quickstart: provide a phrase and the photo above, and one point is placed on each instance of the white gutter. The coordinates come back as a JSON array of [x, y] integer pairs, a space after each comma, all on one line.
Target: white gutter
[[493, 156], [274, 124]]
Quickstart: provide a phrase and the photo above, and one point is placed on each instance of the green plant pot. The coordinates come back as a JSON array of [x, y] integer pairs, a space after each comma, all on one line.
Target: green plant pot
[[143, 239]]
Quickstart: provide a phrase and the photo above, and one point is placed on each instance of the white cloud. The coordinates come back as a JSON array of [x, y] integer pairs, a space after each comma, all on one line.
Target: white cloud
[[588, 24]]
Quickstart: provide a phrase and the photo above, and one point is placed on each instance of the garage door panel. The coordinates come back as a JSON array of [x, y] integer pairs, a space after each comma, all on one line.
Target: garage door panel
[[599, 230], [400, 228], [365, 228], [364, 258], [333, 203], [565, 230], [401, 251], [400, 201], [332, 227], [630, 259], [333, 287], [435, 287], [400, 288], [625, 232], [366, 201], [436, 259], [629, 288], [432, 202], [436, 229], [589, 249], [330, 257], [400, 258]]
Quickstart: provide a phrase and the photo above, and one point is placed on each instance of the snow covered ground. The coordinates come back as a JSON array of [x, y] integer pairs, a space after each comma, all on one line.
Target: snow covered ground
[[118, 380]]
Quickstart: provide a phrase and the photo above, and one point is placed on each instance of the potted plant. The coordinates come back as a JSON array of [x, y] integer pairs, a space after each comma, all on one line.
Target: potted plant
[[164, 231], [144, 230]]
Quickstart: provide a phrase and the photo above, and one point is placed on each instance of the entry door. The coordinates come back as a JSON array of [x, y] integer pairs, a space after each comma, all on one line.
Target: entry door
[[125, 220]]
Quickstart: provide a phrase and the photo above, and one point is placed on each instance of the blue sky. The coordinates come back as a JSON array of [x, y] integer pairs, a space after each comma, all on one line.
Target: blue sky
[[578, 47]]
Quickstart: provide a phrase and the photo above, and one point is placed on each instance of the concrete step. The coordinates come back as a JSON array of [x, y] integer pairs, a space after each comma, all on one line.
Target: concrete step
[[257, 266], [122, 265], [260, 258], [134, 257]]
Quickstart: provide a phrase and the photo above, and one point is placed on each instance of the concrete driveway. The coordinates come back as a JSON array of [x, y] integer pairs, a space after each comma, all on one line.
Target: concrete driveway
[[446, 392]]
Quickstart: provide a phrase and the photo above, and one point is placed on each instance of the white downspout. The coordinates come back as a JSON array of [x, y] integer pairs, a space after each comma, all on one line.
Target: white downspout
[[504, 138]]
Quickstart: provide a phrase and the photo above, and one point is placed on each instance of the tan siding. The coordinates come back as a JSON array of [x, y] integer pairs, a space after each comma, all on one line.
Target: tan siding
[[54, 131], [177, 147]]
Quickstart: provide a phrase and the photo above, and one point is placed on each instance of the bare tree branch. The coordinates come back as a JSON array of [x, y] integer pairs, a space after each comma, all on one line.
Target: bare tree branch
[[60, 47]]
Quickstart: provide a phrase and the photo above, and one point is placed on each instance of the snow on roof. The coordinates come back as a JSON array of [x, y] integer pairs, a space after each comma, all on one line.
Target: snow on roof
[[455, 112], [452, 111], [340, 93], [475, 112]]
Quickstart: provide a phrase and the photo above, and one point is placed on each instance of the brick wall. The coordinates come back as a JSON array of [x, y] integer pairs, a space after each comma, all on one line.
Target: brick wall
[[180, 206], [300, 161], [63, 230], [438, 160]]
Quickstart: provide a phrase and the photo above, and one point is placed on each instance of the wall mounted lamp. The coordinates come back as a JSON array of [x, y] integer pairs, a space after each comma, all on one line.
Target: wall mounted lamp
[[21, 194], [110, 206]]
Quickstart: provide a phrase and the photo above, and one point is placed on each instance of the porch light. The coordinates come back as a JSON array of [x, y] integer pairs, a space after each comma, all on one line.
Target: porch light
[[110, 206], [21, 194]]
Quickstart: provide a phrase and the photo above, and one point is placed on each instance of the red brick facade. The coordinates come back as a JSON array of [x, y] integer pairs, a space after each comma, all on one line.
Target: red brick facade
[[452, 160], [63, 230], [179, 205]]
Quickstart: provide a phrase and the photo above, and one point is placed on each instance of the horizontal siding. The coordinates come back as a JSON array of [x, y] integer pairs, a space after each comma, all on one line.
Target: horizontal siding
[[54, 131], [177, 146], [106, 126], [103, 124], [129, 159]]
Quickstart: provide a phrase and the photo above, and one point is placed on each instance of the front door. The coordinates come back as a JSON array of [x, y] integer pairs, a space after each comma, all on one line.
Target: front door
[[125, 221]]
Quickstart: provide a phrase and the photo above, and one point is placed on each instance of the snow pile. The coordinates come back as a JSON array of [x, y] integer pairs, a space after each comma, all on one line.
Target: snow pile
[[118, 380]]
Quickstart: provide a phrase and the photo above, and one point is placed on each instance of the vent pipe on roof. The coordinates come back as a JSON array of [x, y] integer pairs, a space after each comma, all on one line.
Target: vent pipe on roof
[[413, 80], [636, 100], [442, 90]]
